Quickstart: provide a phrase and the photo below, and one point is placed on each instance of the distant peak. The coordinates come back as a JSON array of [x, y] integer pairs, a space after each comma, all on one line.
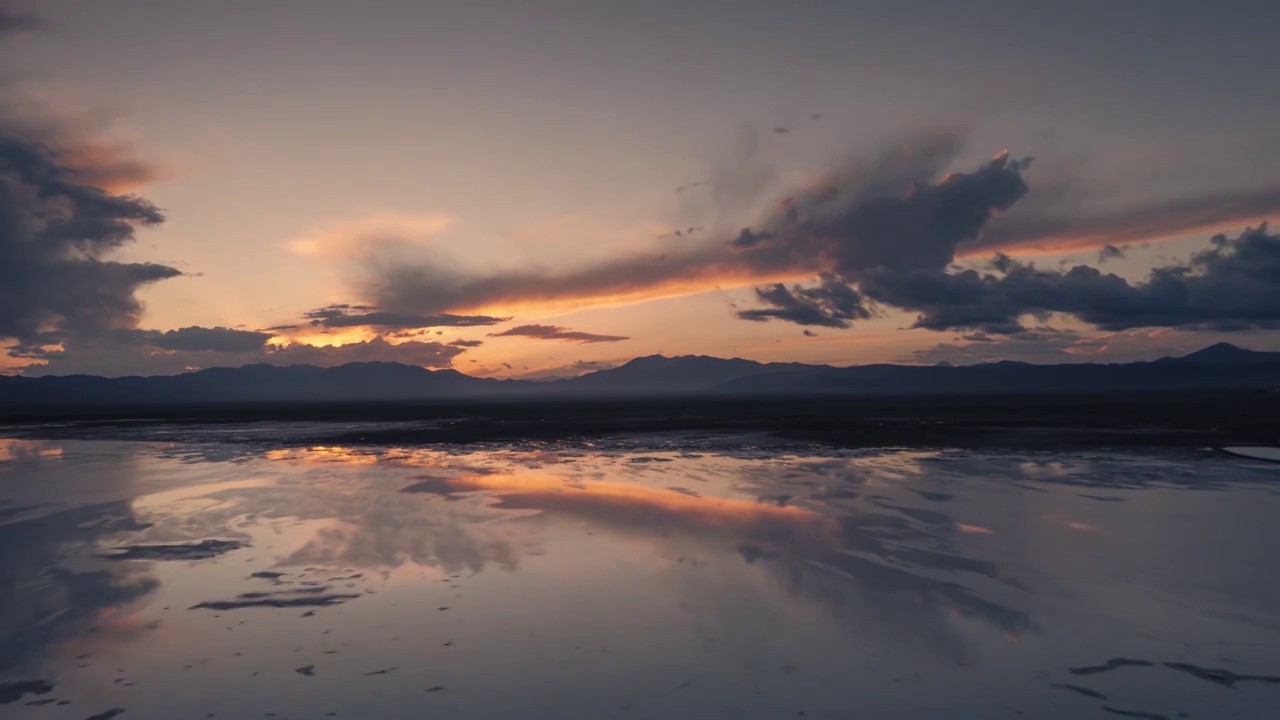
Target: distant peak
[[1224, 347], [943, 364]]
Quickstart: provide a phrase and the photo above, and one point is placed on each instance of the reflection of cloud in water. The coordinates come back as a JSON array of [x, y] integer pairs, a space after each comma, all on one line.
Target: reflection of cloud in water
[[348, 521], [856, 559], [811, 553], [43, 596]]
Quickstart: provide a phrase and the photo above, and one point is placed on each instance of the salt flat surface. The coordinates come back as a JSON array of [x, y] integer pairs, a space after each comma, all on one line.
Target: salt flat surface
[[633, 578]]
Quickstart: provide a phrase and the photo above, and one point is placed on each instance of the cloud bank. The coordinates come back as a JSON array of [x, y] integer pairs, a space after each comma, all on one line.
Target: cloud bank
[[56, 233], [151, 352], [883, 232]]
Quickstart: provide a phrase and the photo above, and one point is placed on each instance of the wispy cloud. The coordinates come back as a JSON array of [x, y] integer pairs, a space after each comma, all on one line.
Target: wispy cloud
[[554, 332], [343, 315], [381, 232]]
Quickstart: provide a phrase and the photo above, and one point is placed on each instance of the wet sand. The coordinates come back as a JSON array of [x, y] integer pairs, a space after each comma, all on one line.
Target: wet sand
[[654, 576]]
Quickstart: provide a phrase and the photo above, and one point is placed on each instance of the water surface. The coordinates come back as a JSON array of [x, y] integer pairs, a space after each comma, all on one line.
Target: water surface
[[655, 577]]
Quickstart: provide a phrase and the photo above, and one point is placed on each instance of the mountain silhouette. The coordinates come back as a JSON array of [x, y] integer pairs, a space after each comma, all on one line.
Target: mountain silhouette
[[1218, 366], [1227, 355]]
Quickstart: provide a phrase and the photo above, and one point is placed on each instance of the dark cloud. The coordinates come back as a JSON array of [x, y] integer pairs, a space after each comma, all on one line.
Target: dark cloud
[[830, 304], [747, 238], [1233, 285], [1063, 229], [467, 343], [188, 339], [144, 352], [215, 339], [13, 21], [55, 230], [1109, 252], [554, 332], [80, 142], [810, 333], [343, 315]]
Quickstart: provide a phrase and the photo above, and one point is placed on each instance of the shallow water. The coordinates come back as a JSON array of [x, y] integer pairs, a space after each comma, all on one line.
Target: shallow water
[[637, 578]]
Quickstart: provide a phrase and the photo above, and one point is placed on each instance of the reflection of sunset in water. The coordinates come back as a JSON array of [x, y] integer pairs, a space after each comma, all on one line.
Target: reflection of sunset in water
[[317, 454], [550, 492], [15, 449]]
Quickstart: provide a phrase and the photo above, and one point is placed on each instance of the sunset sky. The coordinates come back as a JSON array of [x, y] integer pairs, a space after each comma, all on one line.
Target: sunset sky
[[521, 189]]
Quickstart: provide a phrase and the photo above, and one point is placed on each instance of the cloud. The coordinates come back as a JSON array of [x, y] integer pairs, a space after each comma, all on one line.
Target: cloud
[[13, 21], [554, 332], [424, 354], [1050, 345], [1039, 345], [574, 369], [467, 343], [151, 352], [810, 333], [378, 233], [1233, 285], [1110, 252], [1049, 229], [56, 230], [789, 251], [898, 211], [342, 315], [82, 141], [216, 339], [830, 304]]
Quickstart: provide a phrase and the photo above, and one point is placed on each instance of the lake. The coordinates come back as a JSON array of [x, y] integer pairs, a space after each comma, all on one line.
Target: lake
[[655, 576]]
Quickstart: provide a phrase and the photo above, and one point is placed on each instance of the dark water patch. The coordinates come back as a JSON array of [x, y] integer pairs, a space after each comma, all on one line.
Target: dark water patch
[[291, 591], [1225, 678], [1134, 713], [928, 517], [1112, 664], [383, 671], [276, 602], [1079, 690], [107, 715], [203, 550], [12, 692], [1102, 498], [933, 496], [307, 670]]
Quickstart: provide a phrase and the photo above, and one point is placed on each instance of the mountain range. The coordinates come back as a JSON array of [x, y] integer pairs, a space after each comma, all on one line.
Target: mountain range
[[1222, 366]]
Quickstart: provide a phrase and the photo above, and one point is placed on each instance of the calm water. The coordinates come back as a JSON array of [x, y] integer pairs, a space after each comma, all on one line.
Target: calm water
[[648, 578]]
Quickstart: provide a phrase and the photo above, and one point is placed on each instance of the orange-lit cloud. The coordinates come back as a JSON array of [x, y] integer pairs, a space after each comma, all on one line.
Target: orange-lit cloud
[[1046, 233], [376, 233]]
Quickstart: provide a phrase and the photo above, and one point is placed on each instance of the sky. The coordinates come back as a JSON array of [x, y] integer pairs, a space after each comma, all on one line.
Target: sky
[[538, 190]]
